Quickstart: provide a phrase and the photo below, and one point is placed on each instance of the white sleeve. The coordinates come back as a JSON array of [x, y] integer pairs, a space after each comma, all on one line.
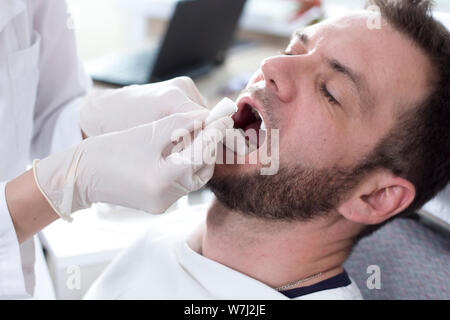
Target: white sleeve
[[62, 80], [16, 261], [67, 131]]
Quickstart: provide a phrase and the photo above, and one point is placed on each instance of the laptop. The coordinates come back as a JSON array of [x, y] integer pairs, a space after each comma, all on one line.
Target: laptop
[[196, 40]]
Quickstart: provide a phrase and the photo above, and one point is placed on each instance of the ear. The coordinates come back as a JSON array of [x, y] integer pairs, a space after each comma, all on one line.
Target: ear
[[377, 198]]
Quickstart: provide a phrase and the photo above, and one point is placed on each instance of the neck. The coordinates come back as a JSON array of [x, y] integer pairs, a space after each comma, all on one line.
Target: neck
[[273, 252]]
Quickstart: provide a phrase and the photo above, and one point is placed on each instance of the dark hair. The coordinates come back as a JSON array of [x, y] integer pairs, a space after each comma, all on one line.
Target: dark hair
[[418, 147]]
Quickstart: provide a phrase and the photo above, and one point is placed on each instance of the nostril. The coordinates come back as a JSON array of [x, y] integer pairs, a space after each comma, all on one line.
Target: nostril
[[272, 82]]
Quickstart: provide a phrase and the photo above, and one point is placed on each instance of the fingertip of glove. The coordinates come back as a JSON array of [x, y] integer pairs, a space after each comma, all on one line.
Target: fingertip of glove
[[228, 122]]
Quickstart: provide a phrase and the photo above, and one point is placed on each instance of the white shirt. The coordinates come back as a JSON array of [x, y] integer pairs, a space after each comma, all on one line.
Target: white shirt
[[161, 265], [41, 82]]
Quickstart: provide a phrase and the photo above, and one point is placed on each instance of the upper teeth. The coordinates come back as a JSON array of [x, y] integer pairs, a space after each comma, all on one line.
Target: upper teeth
[[256, 113]]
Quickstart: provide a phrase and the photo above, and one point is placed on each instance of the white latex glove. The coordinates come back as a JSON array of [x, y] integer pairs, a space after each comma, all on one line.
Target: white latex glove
[[128, 168], [112, 110]]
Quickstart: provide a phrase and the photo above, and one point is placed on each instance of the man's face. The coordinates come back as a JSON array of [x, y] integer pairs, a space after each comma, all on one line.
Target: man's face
[[336, 91]]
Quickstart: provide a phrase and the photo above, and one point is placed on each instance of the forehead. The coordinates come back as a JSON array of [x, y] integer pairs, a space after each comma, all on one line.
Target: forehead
[[396, 70]]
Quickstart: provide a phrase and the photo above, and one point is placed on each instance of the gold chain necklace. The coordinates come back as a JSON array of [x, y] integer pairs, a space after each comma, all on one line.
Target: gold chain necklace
[[296, 283]]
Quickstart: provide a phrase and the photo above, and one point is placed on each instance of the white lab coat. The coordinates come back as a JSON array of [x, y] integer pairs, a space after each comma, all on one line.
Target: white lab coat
[[41, 83], [161, 265]]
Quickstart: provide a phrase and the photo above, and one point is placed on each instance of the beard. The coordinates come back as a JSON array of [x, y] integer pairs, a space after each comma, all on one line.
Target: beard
[[293, 194]]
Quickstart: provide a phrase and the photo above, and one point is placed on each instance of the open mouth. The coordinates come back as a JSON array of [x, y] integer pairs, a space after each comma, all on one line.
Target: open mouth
[[251, 122]]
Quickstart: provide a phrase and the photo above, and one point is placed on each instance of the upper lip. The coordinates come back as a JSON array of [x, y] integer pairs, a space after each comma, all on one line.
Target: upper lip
[[253, 103]]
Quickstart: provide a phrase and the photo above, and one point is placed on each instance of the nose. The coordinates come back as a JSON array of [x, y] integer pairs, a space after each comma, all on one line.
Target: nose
[[277, 73]]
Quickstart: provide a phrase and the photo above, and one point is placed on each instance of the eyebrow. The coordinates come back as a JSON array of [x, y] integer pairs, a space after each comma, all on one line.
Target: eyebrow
[[358, 81], [356, 78]]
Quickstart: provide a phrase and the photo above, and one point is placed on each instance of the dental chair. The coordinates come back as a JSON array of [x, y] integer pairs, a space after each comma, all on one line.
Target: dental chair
[[411, 254]]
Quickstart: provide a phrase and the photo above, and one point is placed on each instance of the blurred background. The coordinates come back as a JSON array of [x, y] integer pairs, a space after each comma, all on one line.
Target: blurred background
[[109, 33], [108, 26]]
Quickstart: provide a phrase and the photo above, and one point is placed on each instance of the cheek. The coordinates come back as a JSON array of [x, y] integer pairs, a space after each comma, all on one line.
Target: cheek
[[311, 140]]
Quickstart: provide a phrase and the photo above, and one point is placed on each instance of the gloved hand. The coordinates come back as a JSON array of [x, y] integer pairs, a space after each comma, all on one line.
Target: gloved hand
[[128, 167], [119, 109]]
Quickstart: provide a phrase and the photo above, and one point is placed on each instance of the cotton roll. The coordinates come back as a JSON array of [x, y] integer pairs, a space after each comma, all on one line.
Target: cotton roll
[[226, 107]]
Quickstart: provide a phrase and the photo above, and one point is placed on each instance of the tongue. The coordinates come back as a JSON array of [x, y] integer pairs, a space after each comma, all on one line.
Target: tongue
[[253, 135]]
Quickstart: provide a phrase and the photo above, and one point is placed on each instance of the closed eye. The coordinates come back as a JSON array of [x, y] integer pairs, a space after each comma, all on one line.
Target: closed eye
[[328, 95], [323, 88]]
